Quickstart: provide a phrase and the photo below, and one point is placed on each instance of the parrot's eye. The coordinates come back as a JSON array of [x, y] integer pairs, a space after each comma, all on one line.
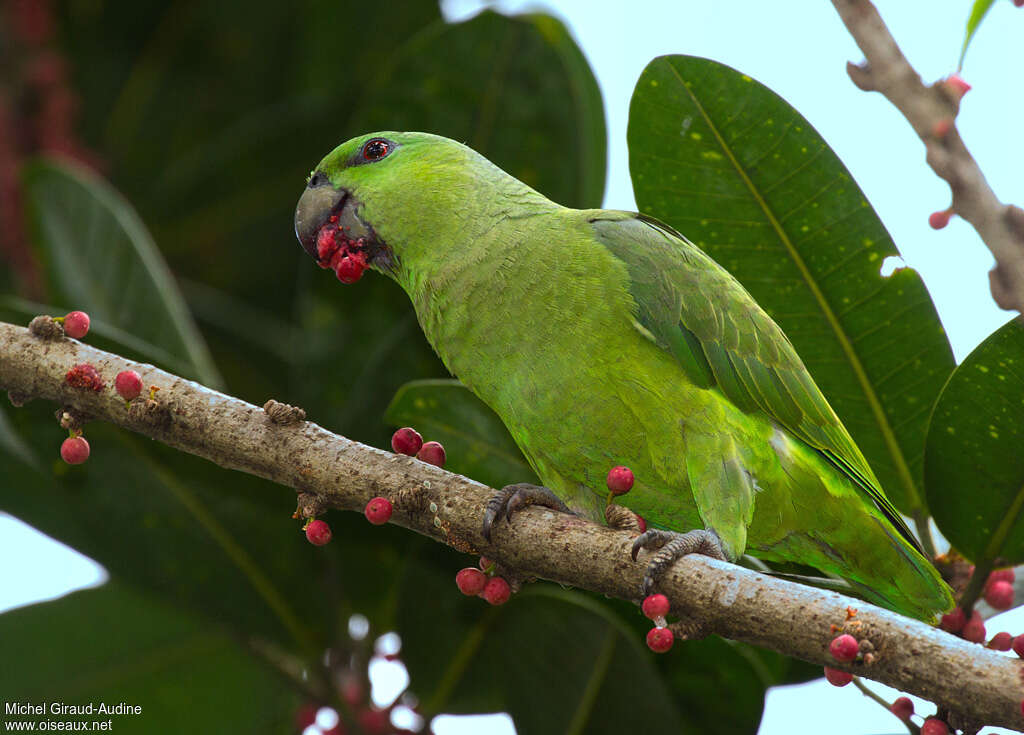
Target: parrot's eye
[[376, 149]]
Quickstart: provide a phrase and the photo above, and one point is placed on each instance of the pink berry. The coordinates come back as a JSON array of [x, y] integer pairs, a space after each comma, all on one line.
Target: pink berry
[[974, 629], [1001, 642], [620, 480], [1018, 3], [655, 606], [938, 220], [1001, 575], [406, 441], [378, 511], [844, 647], [76, 324], [470, 581], [74, 450], [660, 640], [999, 595], [953, 621], [496, 591], [1018, 645], [933, 726], [128, 384], [838, 678], [318, 533], [641, 523], [956, 84], [431, 453], [902, 708]]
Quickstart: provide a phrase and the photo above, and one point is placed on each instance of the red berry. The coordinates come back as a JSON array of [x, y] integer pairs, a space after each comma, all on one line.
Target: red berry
[[938, 220], [378, 511], [406, 441], [1001, 642], [655, 606], [620, 480], [318, 533], [838, 678], [349, 269], [1018, 645], [953, 621], [974, 629], [999, 595], [84, 376], [470, 581], [933, 726], [1018, 3], [844, 647], [641, 523], [902, 708], [431, 453], [660, 640], [496, 591], [1001, 575], [128, 384], [76, 324], [74, 450]]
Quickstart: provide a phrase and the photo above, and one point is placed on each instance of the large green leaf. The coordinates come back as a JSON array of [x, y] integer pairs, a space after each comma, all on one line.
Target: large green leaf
[[477, 444], [100, 259], [736, 169], [974, 463], [561, 661], [518, 90], [112, 645]]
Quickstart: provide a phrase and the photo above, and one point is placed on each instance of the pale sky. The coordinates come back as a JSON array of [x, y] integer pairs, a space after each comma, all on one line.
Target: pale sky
[[799, 49]]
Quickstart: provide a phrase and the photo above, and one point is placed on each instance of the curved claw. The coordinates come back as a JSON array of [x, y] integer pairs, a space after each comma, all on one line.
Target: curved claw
[[512, 498], [671, 546], [495, 509]]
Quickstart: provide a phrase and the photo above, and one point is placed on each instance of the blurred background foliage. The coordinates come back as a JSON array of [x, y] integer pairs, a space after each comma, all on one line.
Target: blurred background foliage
[[151, 154]]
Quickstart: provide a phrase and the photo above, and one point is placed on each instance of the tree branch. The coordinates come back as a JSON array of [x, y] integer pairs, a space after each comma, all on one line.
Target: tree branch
[[332, 471], [931, 110]]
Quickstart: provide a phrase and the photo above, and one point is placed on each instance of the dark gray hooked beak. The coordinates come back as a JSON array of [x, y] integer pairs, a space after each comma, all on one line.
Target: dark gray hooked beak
[[317, 203]]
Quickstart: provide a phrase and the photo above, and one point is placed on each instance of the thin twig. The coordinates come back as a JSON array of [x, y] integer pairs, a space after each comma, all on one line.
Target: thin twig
[[931, 111]]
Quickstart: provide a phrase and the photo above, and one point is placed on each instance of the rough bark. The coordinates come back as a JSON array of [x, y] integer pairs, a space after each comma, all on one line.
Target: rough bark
[[328, 470]]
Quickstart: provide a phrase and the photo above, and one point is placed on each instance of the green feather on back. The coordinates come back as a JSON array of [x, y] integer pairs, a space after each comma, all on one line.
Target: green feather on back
[[694, 309]]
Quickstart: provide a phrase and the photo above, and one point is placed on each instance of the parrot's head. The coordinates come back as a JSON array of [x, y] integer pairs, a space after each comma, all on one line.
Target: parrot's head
[[393, 202]]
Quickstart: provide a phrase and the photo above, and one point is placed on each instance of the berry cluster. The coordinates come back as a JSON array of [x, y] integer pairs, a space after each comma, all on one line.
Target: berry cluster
[[408, 441], [347, 705], [337, 251], [484, 583]]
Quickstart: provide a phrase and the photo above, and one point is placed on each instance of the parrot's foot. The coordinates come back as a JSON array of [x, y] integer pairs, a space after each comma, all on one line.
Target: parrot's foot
[[670, 546], [621, 518], [511, 498]]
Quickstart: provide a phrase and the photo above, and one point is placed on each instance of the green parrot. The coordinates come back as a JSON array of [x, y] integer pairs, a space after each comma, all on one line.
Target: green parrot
[[604, 338]]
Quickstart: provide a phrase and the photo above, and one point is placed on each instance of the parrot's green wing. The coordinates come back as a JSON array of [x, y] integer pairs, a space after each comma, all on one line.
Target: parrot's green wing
[[693, 308]]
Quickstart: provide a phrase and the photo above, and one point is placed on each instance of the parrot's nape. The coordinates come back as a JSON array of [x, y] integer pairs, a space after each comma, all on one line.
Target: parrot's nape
[[604, 338]]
